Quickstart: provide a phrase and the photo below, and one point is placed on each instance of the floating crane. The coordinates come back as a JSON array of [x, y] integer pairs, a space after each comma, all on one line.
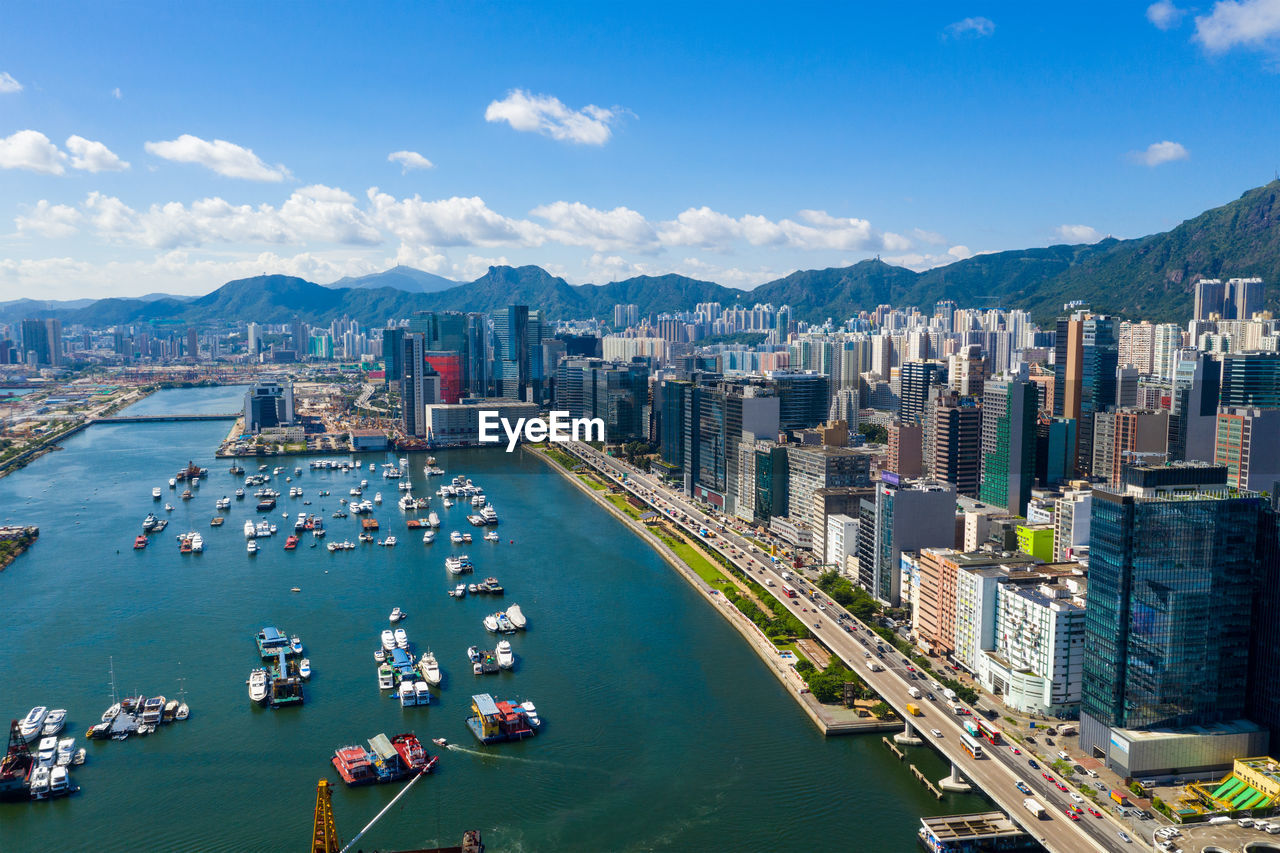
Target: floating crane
[[324, 832]]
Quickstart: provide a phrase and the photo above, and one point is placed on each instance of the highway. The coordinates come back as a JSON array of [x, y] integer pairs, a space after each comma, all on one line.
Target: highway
[[997, 775]]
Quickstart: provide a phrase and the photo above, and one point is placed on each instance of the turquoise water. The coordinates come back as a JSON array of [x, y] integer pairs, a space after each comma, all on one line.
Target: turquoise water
[[662, 730]]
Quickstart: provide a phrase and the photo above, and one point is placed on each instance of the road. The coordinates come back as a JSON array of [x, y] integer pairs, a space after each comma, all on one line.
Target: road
[[854, 642]]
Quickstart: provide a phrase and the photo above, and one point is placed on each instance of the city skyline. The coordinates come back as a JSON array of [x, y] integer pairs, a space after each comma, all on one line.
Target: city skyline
[[806, 143]]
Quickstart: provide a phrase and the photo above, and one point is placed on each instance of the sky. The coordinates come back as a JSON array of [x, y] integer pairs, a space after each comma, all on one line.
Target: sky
[[170, 148]]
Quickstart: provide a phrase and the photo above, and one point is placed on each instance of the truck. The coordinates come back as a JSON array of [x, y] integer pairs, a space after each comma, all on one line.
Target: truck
[[913, 692], [1034, 806], [1119, 797], [914, 710], [873, 666], [950, 694], [957, 708], [1218, 821], [971, 728]]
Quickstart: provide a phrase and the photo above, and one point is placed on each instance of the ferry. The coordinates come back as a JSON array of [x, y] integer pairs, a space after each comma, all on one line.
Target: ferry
[[385, 760], [497, 721]]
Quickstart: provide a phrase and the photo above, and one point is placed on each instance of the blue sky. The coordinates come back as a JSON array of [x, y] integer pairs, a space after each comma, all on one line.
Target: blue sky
[[735, 142]]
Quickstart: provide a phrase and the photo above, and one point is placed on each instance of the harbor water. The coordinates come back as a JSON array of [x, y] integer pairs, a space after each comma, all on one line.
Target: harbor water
[[661, 729]]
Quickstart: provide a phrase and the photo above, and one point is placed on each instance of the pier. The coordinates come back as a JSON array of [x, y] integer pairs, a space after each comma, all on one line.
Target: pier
[[150, 419]]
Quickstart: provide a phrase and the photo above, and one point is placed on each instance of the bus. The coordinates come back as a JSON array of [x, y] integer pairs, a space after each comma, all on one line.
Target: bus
[[989, 732], [970, 745], [788, 592]]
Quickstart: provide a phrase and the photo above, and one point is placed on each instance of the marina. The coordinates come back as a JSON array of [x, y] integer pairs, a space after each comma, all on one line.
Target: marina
[[619, 773]]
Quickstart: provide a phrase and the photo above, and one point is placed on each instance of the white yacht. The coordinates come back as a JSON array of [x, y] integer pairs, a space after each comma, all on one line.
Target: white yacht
[[197, 543], [459, 591], [407, 697], [388, 640], [390, 541], [430, 668], [433, 520], [422, 692], [59, 782], [54, 722], [258, 686], [46, 750], [516, 615], [396, 615], [407, 503], [506, 657], [155, 493], [33, 723], [429, 536], [404, 462], [386, 680], [249, 530], [492, 536], [530, 713], [380, 654], [491, 623], [447, 503], [402, 639], [252, 546], [223, 502], [39, 784], [173, 482], [66, 751], [377, 497], [455, 537], [304, 667]]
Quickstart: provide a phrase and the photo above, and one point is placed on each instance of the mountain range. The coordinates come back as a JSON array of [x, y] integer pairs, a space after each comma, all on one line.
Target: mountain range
[[1149, 277]]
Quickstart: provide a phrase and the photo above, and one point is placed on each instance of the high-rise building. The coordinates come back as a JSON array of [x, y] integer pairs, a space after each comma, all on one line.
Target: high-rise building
[[954, 446], [392, 355], [268, 405], [413, 385], [626, 316], [42, 342], [1210, 296], [905, 515], [254, 341], [1251, 379], [448, 365], [1097, 381], [1009, 412], [1126, 437], [1071, 524], [918, 377], [1248, 446], [1174, 559], [1193, 407], [511, 352], [1242, 299], [906, 449], [616, 392], [967, 371], [803, 398]]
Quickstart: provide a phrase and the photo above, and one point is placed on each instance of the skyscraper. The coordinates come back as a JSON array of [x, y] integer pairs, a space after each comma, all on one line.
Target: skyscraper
[[953, 446], [1193, 407], [1242, 299], [1251, 379], [918, 377], [1210, 295], [1173, 564], [511, 352], [1009, 409], [413, 393]]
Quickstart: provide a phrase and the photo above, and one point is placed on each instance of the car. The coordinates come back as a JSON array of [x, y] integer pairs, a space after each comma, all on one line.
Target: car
[[1048, 778], [1094, 812], [1061, 787], [1033, 764], [1071, 814], [847, 628], [1022, 786], [935, 732], [866, 654], [1016, 751], [1101, 786], [1077, 797], [910, 668], [816, 625], [929, 696], [1124, 836]]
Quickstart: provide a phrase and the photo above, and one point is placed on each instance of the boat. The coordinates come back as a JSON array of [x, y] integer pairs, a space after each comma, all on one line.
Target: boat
[[252, 546], [421, 692], [475, 520], [170, 708], [139, 542], [155, 493], [168, 507], [187, 495], [491, 623], [40, 783], [385, 760], [430, 669], [197, 543], [54, 722], [489, 515], [386, 677], [45, 751], [184, 543], [173, 482], [304, 668], [258, 686], [496, 721], [295, 644], [149, 523], [466, 539], [460, 591], [390, 541], [473, 588], [111, 713], [492, 536], [216, 521], [250, 530], [428, 537], [531, 713], [80, 756], [31, 725], [66, 751], [388, 640], [506, 657], [183, 712], [440, 741], [239, 494], [402, 639], [161, 525], [406, 695], [291, 543], [380, 655], [396, 615], [455, 537], [516, 615], [153, 711], [447, 503], [433, 520], [377, 497], [59, 782]]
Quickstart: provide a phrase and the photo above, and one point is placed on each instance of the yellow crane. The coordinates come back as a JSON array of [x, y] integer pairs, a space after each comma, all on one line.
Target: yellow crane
[[324, 832]]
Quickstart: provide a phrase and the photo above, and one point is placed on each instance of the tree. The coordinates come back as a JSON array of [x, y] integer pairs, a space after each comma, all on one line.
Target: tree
[[875, 433]]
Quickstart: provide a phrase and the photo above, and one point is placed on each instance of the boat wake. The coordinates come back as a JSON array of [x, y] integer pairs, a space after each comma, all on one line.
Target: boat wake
[[455, 748]]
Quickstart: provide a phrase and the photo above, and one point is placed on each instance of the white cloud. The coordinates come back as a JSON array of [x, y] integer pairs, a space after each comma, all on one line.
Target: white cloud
[[708, 228], [49, 220], [450, 222], [1236, 23], [928, 236], [117, 94], [93, 156], [225, 158], [31, 150], [576, 224], [549, 116], [1164, 14], [475, 266], [1078, 233], [1159, 153], [8, 85], [977, 27], [409, 160], [921, 261]]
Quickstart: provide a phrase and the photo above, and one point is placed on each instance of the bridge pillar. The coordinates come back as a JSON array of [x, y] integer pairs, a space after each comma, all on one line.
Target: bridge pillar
[[907, 737], [954, 782]]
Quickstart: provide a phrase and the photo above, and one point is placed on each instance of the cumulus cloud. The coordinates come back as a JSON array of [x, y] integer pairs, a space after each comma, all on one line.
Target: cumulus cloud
[[920, 261], [1238, 23], [1078, 233], [549, 116], [8, 85], [577, 224], [450, 222], [31, 150], [49, 220], [409, 160], [1165, 15], [977, 27], [1159, 153], [93, 156], [225, 158]]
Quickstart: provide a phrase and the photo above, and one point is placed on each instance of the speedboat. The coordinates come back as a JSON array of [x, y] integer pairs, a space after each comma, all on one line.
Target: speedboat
[[388, 640], [430, 668], [168, 507], [80, 756], [304, 668], [46, 750], [428, 537], [506, 657], [54, 722], [258, 686], [504, 624], [440, 741], [295, 644], [402, 639], [473, 654], [32, 723], [66, 751], [173, 482], [377, 497], [396, 615], [530, 713], [491, 623]]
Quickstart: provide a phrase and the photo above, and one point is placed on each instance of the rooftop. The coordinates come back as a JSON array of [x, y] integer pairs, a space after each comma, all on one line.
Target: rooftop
[[975, 826]]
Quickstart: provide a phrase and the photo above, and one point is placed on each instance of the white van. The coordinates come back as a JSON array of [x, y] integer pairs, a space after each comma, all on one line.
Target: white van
[[1064, 756]]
